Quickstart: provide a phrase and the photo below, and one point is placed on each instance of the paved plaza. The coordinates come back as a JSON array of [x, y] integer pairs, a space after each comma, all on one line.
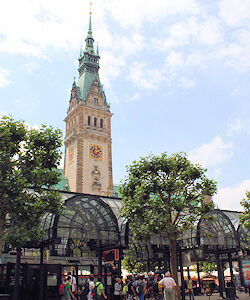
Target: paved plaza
[[241, 296]]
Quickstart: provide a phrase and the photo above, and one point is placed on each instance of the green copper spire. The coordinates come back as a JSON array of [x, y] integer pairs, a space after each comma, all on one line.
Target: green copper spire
[[97, 49], [89, 68], [90, 28], [89, 39], [80, 52]]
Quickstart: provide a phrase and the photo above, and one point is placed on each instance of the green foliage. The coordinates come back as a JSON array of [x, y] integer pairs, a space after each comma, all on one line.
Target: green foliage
[[245, 216], [208, 266], [165, 194], [134, 266], [28, 170]]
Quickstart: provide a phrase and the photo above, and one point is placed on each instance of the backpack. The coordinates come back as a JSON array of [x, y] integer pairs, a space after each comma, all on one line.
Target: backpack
[[85, 289], [156, 288], [62, 290], [94, 291], [139, 289], [150, 288]]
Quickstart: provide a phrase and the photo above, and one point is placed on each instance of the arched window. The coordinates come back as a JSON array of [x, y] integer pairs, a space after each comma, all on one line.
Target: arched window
[[89, 120], [101, 123], [95, 122]]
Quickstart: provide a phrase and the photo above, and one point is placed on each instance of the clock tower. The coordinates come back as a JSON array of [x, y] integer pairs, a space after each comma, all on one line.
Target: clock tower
[[88, 158]]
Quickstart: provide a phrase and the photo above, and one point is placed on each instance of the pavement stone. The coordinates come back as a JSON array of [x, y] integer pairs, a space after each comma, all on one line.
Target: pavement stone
[[215, 296]]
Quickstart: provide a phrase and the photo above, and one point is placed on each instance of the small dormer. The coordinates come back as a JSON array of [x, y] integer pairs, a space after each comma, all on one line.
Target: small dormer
[[74, 101]]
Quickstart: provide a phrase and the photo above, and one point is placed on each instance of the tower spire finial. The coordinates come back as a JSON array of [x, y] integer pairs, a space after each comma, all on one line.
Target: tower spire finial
[[90, 9], [90, 13]]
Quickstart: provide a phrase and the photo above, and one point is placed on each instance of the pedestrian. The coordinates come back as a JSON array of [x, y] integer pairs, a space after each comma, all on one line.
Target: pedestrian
[[91, 286], [190, 288], [117, 289], [169, 286], [73, 284], [68, 291], [131, 292], [33, 288], [150, 288], [100, 291], [140, 287]]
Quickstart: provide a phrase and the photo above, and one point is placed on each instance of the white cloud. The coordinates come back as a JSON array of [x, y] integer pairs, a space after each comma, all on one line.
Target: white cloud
[[30, 27], [29, 126], [235, 12], [146, 77], [108, 70], [132, 98], [186, 83], [175, 60], [134, 13], [3, 77], [239, 126], [61, 164], [212, 153], [230, 197], [210, 31], [32, 66]]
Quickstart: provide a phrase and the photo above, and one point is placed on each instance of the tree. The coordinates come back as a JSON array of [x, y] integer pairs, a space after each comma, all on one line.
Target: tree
[[28, 170], [133, 265], [245, 216], [208, 265], [165, 194]]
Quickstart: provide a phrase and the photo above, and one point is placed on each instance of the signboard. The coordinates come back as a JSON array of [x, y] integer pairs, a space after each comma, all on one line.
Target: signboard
[[246, 271], [46, 256], [111, 255]]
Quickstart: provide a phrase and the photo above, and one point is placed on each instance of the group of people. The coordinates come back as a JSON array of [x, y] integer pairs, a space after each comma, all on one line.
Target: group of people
[[71, 291], [151, 287], [70, 287], [139, 287]]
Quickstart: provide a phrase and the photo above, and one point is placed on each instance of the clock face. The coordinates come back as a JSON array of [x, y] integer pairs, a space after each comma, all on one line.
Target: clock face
[[95, 151], [71, 154]]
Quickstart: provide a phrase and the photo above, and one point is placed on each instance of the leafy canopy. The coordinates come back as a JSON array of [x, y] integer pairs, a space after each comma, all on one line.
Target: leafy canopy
[[165, 194], [245, 216], [28, 170]]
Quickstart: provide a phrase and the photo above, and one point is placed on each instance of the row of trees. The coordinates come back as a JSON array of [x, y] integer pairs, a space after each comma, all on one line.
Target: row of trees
[[161, 194], [29, 160], [167, 195]]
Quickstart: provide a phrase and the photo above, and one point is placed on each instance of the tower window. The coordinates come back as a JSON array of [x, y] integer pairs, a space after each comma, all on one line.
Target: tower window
[[89, 120], [95, 101], [95, 122], [101, 123]]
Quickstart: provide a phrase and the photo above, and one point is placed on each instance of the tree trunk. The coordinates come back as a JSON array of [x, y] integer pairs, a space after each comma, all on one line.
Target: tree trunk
[[2, 219], [173, 264], [17, 273]]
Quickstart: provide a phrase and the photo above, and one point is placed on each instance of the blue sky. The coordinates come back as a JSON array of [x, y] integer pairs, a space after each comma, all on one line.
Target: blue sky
[[176, 74]]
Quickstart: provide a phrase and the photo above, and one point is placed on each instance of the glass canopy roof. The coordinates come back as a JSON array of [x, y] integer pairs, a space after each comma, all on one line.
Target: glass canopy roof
[[94, 223]]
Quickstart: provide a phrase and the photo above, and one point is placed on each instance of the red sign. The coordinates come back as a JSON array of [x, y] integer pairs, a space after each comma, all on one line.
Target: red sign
[[111, 255]]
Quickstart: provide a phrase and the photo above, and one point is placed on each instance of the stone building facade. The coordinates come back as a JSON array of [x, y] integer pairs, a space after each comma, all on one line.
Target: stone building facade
[[88, 155]]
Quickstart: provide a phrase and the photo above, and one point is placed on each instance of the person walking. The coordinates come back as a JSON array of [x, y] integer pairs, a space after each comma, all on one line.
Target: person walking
[[190, 288], [68, 294], [91, 286], [131, 291], [140, 287], [100, 291], [73, 284], [169, 286], [117, 289]]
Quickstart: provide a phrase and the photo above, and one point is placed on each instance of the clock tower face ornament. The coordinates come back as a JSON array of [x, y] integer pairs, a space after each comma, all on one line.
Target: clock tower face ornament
[[71, 154], [95, 151]]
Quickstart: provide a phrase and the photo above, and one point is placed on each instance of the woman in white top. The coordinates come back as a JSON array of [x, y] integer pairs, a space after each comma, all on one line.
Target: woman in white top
[[118, 289], [91, 286]]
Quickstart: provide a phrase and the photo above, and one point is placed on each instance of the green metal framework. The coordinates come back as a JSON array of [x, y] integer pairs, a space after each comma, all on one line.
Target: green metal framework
[[88, 223]]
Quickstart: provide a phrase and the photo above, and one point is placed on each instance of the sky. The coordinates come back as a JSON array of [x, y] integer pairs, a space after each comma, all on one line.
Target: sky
[[176, 74]]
